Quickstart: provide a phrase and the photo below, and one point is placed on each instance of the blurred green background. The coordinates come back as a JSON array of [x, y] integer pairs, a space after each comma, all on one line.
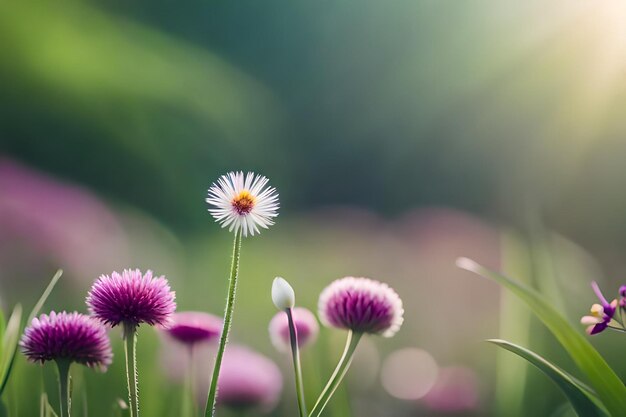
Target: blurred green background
[[400, 135]]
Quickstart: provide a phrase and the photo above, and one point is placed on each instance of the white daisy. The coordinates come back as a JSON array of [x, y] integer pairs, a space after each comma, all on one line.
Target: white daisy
[[245, 202]]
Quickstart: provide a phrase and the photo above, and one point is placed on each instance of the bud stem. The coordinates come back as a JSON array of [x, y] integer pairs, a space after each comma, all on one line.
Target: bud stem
[[297, 367]]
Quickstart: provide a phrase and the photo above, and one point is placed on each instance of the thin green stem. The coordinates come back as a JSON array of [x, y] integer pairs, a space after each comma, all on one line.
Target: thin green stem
[[617, 329], [65, 401], [192, 380], [297, 367], [228, 317], [130, 347], [189, 407], [338, 374]]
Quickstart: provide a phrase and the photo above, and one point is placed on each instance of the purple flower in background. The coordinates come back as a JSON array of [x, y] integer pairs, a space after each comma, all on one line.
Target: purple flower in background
[[456, 390], [191, 327], [249, 380], [622, 293], [73, 337], [131, 298], [306, 326], [601, 314], [46, 221], [362, 305]]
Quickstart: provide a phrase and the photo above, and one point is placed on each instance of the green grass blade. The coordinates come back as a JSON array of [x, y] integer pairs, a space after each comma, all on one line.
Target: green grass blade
[[583, 399], [9, 346], [565, 410], [120, 409], [511, 375], [45, 409], [3, 326], [12, 332], [44, 296], [602, 378]]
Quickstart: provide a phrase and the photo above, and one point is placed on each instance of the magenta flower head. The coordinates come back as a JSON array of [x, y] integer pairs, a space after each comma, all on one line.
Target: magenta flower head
[[70, 337], [191, 327], [362, 305], [306, 327], [601, 314], [249, 380], [131, 298]]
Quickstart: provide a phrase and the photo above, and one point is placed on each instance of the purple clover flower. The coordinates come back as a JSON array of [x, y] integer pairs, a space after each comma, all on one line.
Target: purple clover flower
[[71, 337], [191, 327], [362, 305], [601, 314], [131, 298], [249, 380], [306, 327]]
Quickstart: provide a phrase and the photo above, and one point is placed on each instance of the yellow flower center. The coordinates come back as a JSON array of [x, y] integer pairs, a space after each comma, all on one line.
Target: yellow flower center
[[244, 202], [597, 310]]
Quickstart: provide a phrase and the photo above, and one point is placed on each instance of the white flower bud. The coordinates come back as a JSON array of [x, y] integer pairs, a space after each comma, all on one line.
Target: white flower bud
[[282, 294]]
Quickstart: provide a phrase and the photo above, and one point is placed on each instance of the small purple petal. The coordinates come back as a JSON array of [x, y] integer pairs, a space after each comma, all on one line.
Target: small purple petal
[[600, 327], [70, 336], [132, 298], [609, 310], [596, 289]]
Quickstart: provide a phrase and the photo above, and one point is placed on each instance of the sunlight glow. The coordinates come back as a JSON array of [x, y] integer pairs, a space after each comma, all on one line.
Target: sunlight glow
[[610, 17]]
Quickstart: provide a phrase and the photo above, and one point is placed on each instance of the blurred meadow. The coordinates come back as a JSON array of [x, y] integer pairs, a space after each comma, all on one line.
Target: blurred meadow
[[400, 136]]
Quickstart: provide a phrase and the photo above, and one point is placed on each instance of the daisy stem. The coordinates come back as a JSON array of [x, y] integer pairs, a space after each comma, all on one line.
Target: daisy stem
[[65, 401], [228, 317], [130, 347], [297, 367], [338, 374]]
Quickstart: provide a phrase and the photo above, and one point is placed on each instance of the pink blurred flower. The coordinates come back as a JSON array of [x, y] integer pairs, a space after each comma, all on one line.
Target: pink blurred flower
[[306, 327], [249, 380], [191, 327], [456, 389], [44, 221]]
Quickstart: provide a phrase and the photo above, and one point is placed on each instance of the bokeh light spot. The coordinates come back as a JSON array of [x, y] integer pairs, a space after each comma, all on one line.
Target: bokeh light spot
[[409, 373], [456, 390]]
